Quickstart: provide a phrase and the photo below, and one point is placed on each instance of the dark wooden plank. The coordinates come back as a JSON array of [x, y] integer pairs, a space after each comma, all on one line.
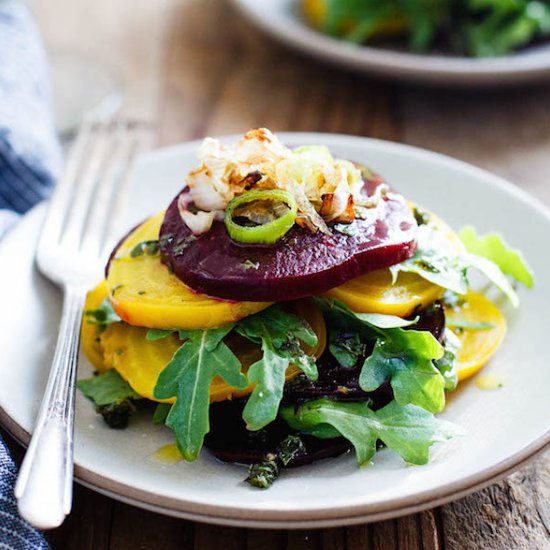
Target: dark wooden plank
[[512, 514], [358, 537], [262, 539], [136, 528], [383, 535], [333, 539], [214, 536], [304, 540], [88, 526]]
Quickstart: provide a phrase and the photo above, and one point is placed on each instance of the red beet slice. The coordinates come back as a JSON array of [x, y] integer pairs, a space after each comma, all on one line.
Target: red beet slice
[[301, 264]]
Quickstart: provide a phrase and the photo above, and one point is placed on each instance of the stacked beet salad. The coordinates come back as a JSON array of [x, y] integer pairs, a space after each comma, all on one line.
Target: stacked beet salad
[[290, 306]]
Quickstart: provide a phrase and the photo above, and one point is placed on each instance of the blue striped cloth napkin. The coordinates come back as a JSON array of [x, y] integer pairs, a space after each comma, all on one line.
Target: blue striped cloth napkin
[[29, 152], [30, 159]]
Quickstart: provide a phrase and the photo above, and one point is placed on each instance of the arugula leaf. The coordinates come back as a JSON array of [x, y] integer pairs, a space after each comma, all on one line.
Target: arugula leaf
[[113, 397], [447, 365], [346, 347], [493, 247], [188, 377], [438, 261], [402, 357], [161, 413], [279, 333], [410, 431], [107, 388], [405, 358], [103, 316], [154, 334]]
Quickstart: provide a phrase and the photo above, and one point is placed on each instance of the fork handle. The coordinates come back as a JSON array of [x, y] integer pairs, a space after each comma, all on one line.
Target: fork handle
[[45, 484]]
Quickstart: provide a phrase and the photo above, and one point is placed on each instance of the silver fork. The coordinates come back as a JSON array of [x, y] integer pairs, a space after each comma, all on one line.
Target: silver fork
[[74, 243]]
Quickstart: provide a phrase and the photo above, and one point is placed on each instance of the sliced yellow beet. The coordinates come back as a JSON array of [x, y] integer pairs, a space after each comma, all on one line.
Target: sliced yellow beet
[[140, 361], [478, 346], [146, 294], [375, 293], [90, 332]]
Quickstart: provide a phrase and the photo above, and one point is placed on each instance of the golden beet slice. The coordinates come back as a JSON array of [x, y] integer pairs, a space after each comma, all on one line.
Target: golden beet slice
[[478, 346], [375, 292], [140, 361], [146, 294]]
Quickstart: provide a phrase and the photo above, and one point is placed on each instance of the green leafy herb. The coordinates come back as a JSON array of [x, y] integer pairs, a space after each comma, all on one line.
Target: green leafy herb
[[112, 395], [470, 325], [447, 364], [279, 333], [405, 358], [249, 264], [115, 289], [408, 430], [263, 474], [147, 248], [493, 247], [157, 334], [103, 316], [188, 377], [346, 347], [161, 413], [107, 388], [438, 261], [476, 28]]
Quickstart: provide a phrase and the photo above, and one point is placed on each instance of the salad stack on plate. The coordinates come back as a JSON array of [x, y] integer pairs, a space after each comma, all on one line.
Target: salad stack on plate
[[290, 306]]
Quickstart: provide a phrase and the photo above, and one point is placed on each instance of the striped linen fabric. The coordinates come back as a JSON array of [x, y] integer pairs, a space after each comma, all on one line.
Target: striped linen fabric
[[30, 159], [15, 534], [30, 155]]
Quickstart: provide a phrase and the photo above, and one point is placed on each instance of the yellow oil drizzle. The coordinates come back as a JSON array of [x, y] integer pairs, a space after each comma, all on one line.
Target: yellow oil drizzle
[[489, 382], [168, 454]]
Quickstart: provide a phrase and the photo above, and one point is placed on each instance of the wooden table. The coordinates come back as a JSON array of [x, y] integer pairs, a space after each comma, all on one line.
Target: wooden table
[[194, 68]]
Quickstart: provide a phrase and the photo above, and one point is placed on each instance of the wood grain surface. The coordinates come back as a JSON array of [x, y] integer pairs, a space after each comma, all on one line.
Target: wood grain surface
[[194, 67]]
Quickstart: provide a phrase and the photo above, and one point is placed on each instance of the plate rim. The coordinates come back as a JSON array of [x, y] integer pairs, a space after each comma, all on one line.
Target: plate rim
[[329, 517], [509, 69]]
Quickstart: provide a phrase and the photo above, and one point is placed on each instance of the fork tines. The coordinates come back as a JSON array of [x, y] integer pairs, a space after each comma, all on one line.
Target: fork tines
[[89, 196]]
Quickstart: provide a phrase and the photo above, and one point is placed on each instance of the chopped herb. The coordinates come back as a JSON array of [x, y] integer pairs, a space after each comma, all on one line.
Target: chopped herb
[[103, 316], [348, 229], [142, 293], [113, 396], [117, 415], [421, 216], [183, 244], [148, 248], [263, 474], [249, 264], [115, 289]]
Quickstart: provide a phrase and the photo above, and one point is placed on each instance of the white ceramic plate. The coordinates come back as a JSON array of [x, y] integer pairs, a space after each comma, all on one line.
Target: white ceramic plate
[[282, 20], [503, 427]]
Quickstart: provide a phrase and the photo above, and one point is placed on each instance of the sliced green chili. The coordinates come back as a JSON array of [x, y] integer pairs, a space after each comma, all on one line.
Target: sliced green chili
[[261, 233]]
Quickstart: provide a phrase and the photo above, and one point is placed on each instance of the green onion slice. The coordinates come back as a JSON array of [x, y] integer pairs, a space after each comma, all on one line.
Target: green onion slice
[[260, 217]]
